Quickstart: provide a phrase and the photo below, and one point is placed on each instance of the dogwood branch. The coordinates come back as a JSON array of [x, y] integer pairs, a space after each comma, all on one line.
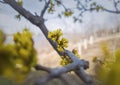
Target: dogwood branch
[[57, 72]]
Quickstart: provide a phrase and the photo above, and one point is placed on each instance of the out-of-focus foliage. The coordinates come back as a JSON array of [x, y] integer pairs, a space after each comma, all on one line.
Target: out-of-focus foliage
[[2, 37], [109, 70], [5, 81], [17, 60], [113, 76]]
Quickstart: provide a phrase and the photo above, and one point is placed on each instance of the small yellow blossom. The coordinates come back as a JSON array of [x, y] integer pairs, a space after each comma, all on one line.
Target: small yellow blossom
[[55, 35], [75, 51]]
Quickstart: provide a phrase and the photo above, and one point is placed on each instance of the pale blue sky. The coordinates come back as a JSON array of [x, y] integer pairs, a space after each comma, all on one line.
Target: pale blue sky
[[91, 20]]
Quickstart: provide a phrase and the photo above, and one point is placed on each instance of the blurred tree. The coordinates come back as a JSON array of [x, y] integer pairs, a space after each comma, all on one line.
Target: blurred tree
[[18, 58]]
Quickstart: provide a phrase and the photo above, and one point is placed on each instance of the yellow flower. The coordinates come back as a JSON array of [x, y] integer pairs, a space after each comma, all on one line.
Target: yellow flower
[[60, 48], [55, 36], [75, 51], [63, 43], [65, 61]]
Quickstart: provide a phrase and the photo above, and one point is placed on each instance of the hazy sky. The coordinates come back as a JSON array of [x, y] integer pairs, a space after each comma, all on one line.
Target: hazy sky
[[9, 24]]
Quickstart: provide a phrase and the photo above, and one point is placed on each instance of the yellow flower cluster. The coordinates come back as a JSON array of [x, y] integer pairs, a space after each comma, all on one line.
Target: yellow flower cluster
[[56, 37], [63, 43], [19, 57], [65, 61]]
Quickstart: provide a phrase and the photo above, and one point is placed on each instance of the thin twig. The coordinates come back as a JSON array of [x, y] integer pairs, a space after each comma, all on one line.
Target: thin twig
[[43, 68], [45, 8], [111, 11]]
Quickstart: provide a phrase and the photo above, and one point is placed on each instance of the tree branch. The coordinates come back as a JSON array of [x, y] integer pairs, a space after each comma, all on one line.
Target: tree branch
[[55, 73], [64, 77], [45, 8], [84, 7], [36, 20], [83, 76], [39, 67], [112, 11]]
